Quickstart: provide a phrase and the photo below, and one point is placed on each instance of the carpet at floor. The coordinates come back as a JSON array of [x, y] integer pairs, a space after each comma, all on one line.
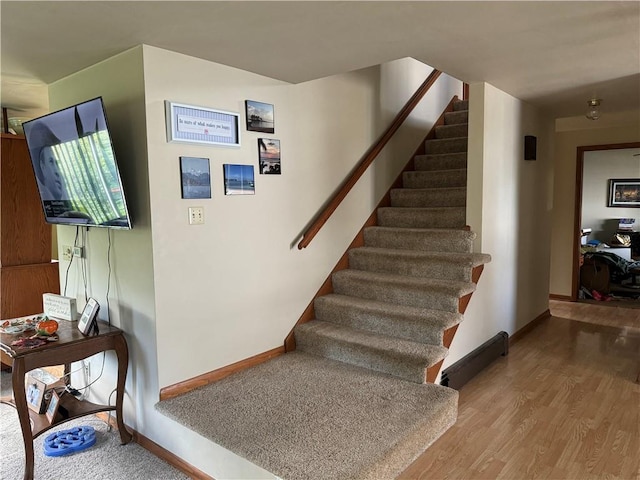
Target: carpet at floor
[[107, 459]]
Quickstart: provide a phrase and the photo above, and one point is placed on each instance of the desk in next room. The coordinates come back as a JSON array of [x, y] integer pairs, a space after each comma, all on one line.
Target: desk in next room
[[72, 346]]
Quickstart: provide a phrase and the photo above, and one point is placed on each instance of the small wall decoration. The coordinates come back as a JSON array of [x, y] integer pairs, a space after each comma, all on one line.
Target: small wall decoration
[[624, 192], [190, 124], [259, 117], [196, 178], [269, 156], [239, 180]]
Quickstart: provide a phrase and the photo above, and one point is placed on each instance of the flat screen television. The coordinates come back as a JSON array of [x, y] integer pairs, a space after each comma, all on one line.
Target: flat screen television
[[75, 167]]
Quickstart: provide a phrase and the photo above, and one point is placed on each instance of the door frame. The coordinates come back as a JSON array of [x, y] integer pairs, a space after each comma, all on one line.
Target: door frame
[[577, 217]]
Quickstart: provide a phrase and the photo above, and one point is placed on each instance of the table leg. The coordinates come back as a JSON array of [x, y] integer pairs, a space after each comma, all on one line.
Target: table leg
[[20, 398], [123, 360]]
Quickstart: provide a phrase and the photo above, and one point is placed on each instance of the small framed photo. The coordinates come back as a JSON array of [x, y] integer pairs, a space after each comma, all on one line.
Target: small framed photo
[[624, 192], [52, 409], [239, 180], [269, 156], [35, 394], [259, 117], [191, 124], [195, 177]]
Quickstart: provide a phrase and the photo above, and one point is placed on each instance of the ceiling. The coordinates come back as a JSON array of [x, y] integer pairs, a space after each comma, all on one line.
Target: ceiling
[[554, 55]]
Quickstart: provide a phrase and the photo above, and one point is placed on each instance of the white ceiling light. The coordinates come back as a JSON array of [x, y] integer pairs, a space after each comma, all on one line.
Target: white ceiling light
[[593, 113]]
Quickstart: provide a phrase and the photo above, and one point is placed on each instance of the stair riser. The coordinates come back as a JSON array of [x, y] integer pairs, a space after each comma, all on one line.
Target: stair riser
[[383, 323], [435, 179], [459, 105], [447, 145], [401, 295], [452, 131], [454, 118], [416, 198], [343, 352], [451, 161], [418, 240], [431, 268], [428, 218]]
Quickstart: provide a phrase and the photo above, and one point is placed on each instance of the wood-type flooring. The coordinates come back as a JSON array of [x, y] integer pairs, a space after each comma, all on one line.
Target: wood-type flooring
[[564, 404]]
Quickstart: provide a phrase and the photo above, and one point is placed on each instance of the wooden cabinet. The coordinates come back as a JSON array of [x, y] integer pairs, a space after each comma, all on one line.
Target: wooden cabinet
[[26, 268]]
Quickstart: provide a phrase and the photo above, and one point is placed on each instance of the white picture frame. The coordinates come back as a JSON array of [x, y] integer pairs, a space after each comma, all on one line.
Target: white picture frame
[[200, 125]]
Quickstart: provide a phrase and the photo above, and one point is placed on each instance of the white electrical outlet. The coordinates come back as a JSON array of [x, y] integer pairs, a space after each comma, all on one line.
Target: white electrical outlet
[[196, 215], [78, 252], [67, 252]]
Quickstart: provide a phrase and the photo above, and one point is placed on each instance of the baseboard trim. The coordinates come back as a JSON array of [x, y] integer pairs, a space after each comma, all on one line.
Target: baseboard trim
[[517, 336], [562, 298], [160, 452], [215, 375]]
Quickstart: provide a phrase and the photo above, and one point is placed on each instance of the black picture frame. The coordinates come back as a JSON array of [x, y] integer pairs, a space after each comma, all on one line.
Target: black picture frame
[[624, 193], [239, 179], [195, 177], [259, 116], [269, 156]]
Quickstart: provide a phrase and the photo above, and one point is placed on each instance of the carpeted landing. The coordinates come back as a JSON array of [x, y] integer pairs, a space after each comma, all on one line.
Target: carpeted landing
[[300, 416]]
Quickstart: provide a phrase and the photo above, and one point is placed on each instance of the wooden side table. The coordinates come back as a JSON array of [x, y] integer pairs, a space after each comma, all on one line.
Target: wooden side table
[[72, 346]]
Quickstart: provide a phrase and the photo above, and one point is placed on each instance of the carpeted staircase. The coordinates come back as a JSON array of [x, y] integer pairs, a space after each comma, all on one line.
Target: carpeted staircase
[[390, 308], [351, 401]]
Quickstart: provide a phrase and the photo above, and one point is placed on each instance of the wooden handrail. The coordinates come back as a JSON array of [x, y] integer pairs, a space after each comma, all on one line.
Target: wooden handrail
[[369, 157]]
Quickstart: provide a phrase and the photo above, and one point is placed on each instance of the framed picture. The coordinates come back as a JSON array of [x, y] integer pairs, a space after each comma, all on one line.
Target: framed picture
[[195, 177], [35, 394], [52, 409], [239, 180], [269, 156], [191, 124], [259, 117], [624, 192]]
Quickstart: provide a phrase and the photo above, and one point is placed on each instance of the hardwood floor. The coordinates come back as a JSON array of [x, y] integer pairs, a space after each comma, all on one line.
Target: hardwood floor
[[563, 404]]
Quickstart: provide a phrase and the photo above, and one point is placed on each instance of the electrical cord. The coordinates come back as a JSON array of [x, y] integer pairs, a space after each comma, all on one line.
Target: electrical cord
[[109, 274], [66, 276]]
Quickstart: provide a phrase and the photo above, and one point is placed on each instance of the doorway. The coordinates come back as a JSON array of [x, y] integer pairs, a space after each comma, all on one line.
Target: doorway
[[603, 253]]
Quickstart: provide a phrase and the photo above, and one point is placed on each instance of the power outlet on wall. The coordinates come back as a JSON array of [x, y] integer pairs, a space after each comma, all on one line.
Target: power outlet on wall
[[67, 252]]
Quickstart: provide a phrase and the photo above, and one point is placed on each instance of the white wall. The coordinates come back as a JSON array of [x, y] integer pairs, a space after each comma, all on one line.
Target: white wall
[[509, 207], [194, 298], [599, 167], [120, 82], [570, 134]]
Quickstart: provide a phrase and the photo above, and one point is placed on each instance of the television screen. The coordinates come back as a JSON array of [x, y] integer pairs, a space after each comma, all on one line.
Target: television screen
[[75, 167]]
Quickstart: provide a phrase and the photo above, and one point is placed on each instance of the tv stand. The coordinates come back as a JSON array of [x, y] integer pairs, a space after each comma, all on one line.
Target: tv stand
[[72, 346]]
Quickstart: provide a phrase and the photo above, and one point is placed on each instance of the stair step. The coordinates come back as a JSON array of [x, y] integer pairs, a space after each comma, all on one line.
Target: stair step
[[442, 161], [460, 105], [429, 197], [446, 145], [437, 217], [452, 131], [435, 178], [430, 293], [441, 240], [394, 356], [410, 323], [453, 118], [412, 263]]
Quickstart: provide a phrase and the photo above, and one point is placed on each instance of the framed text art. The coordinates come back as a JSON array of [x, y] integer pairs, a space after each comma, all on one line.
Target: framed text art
[[191, 124]]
